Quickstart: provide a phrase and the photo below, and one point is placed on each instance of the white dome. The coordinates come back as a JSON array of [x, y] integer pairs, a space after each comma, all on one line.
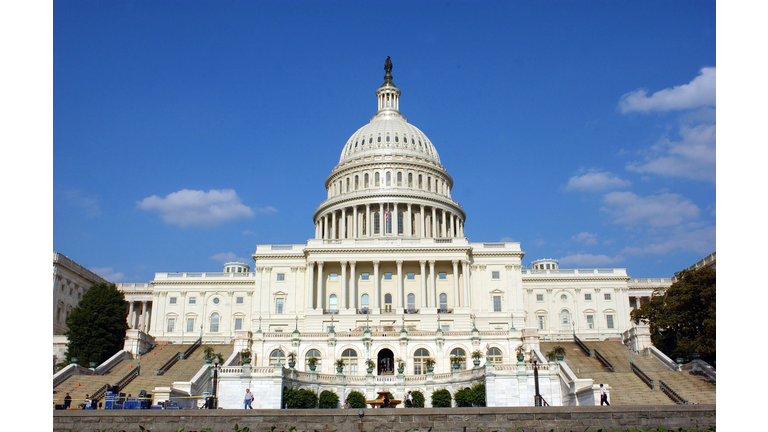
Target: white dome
[[389, 133]]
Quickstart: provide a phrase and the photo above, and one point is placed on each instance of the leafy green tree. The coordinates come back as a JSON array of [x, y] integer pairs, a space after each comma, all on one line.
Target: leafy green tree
[[356, 399], [329, 399], [299, 399], [682, 319], [463, 397], [478, 395], [418, 399], [97, 325], [441, 398]]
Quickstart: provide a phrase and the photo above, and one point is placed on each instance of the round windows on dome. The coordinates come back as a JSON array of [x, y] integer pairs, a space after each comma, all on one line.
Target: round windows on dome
[[563, 297], [215, 300]]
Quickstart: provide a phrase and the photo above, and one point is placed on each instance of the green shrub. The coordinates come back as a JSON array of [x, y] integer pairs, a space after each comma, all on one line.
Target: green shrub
[[418, 399], [463, 397], [478, 395], [356, 400], [329, 399], [441, 398], [301, 398]]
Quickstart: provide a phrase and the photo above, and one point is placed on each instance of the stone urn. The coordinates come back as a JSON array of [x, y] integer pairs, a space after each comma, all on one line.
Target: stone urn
[[430, 369], [679, 360], [559, 357], [291, 364], [339, 369], [521, 357], [400, 370], [370, 371], [476, 363], [247, 360], [208, 360], [312, 367], [93, 365], [455, 366], [695, 356], [74, 360]]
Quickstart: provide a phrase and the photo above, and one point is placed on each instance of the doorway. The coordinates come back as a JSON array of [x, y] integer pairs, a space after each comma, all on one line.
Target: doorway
[[386, 362]]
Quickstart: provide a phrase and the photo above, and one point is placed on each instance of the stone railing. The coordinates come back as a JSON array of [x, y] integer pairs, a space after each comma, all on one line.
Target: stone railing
[[660, 356], [206, 275], [385, 241], [71, 369], [702, 367], [620, 272], [642, 375], [113, 361]]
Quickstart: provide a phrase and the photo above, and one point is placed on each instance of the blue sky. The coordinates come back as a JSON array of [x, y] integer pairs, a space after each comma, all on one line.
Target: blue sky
[[583, 130]]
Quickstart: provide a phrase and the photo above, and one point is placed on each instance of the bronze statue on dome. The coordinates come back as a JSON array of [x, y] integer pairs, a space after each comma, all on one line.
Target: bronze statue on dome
[[388, 65]]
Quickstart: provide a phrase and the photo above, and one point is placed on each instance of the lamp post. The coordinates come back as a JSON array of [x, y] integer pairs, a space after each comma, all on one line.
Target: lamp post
[[215, 382]]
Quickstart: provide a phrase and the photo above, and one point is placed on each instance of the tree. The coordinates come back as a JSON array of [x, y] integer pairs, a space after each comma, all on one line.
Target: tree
[[682, 319], [356, 399], [441, 399], [97, 325], [329, 399]]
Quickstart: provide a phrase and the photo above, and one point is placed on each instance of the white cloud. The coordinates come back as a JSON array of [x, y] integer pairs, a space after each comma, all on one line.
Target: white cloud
[[108, 273], [596, 181], [248, 233], [199, 208], [507, 239], [586, 238], [693, 157], [539, 242], [701, 241], [655, 210], [225, 257], [88, 205], [697, 93], [586, 260]]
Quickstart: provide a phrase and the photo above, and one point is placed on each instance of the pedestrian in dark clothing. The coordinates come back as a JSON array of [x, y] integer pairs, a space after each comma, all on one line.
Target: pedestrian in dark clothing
[[603, 396], [67, 401]]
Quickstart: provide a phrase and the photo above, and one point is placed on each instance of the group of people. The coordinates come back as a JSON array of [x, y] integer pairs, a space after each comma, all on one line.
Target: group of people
[[385, 402], [87, 402]]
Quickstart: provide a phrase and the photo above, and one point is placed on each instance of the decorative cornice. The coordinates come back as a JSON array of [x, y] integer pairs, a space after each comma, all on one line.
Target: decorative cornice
[[575, 279]]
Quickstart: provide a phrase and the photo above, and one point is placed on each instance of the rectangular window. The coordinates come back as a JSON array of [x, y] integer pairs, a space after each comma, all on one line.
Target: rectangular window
[[192, 300], [364, 276], [70, 291], [497, 303], [411, 275], [541, 322], [172, 300], [495, 275], [239, 300], [278, 330], [279, 306], [591, 321], [281, 277], [190, 324], [539, 297], [609, 321], [238, 323], [387, 276], [171, 323], [587, 297], [334, 276], [330, 329], [442, 275], [446, 328], [607, 296]]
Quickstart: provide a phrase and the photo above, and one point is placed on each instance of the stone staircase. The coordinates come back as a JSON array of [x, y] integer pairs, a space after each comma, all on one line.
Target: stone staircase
[[626, 388], [183, 370]]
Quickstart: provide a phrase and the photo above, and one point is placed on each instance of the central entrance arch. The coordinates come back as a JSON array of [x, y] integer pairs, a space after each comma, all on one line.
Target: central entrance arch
[[386, 362]]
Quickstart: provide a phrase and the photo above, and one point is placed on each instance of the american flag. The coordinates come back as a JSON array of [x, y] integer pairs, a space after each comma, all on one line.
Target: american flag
[[386, 215]]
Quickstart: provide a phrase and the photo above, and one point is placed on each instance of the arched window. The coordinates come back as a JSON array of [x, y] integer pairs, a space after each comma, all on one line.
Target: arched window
[[411, 302], [347, 184], [214, 322], [419, 357], [399, 222], [349, 357], [565, 320], [276, 357], [396, 138], [364, 302], [365, 181], [316, 354], [389, 224], [376, 179], [376, 224], [429, 184], [458, 352], [389, 178], [332, 303], [399, 178], [420, 185], [443, 302], [388, 302], [494, 356], [410, 180], [357, 182]]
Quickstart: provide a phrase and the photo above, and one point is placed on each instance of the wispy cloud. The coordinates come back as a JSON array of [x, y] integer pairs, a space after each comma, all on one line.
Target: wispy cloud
[[248, 233], [507, 239], [693, 156], [225, 257], [108, 273], [660, 210], [586, 238], [198, 208], [697, 93], [586, 260], [595, 181], [701, 241], [87, 205]]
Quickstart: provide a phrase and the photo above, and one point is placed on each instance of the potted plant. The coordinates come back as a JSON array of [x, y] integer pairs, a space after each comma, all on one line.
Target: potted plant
[[370, 364], [245, 356], [430, 364], [339, 365], [400, 366], [520, 353], [556, 353], [456, 362], [312, 363], [476, 356], [208, 351], [292, 359]]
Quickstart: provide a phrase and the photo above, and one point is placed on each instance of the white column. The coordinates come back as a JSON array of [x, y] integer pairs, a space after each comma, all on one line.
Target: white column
[[142, 319], [376, 284], [423, 276], [465, 274], [327, 234], [434, 225], [343, 304], [354, 216], [510, 296], [333, 225], [353, 286], [432, 283], [309, 298], [343, 233], [461, 228], [130, 317], [320, 291], [395, 221], [368, 229], [399, 284], [423, 220], [443, 224], [267, 292], [382, 222], [410, 222], [259, 275], [456, 297]]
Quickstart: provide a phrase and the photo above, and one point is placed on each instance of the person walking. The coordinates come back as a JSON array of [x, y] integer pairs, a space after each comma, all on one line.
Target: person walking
[[409, 400], [67, 401], [248, 399], [603, 396]]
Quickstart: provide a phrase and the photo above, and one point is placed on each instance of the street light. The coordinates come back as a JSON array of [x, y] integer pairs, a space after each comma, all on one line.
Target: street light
[[215, 381]]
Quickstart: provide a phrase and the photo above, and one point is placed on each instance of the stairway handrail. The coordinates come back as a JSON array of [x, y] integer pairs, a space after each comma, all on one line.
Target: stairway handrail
[[582, 345], [603, 360], [98, 394], [540, 401], [128, 378], [642, 375], [192, 348], [667, 390], [171, 361]]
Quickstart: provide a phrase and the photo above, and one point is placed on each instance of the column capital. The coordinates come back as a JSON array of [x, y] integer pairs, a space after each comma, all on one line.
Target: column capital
[[269, 269], [509, 267], [310, 263], [352, 263], [376, 263], [455, 262], [344, 263], [465, 262], [294, 269], [431, 262], [399, 263], [423, 262], [578, 290]]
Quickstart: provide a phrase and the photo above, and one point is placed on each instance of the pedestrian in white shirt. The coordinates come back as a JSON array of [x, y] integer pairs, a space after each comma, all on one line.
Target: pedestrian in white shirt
[[248, 399]]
